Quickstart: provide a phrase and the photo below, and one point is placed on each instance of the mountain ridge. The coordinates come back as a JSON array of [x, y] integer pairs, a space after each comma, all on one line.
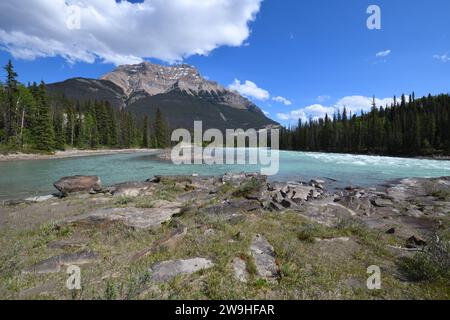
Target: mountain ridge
[[180, 92]]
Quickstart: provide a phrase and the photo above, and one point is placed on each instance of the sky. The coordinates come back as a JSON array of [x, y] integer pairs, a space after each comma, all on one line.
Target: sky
[[294, 59]]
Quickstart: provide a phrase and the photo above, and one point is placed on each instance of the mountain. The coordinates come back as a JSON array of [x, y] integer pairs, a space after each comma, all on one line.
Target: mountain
[[180, 92], [83, 89]]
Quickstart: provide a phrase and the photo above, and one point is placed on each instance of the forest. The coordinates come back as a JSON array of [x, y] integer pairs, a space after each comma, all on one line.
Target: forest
[[32, 121], [408, 127]]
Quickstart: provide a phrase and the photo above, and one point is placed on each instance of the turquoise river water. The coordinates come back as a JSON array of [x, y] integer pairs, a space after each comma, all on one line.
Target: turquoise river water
[[21, 179]]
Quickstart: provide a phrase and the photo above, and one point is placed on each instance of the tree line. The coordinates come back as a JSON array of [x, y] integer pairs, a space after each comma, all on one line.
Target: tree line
[[409, 127], [31, 120]]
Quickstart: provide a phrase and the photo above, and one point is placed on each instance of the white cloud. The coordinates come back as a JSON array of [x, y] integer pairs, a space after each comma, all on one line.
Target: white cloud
[[353, 105], [282, 100], [383, 53], [315, 112], [322, 99], [283, 116], [123, 32], [443, 57], [249, 89], [266, 113]]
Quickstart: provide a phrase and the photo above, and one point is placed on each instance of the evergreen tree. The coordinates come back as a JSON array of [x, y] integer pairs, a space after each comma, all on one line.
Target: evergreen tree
[[145, 133], [161, 138], [43, 131], [11, 102]]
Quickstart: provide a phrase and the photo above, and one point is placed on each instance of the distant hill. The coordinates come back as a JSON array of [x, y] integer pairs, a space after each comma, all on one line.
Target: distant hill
[[180, 92]]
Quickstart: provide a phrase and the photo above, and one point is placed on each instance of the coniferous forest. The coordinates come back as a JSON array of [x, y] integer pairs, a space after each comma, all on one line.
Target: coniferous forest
[[419, 127], [32, 121]]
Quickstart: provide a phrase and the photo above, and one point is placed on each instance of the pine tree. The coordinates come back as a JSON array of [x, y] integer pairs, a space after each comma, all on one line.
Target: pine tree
[[43, 131], [145, 133], [161, 133], [11, 102]]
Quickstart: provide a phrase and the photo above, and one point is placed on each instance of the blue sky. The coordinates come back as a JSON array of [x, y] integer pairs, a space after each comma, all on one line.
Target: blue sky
[[317, 55]]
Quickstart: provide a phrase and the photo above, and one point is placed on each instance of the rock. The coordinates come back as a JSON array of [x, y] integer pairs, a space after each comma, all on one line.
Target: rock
[[288, 203], [132, 217], [302, 193], [414, 213], [55, 264], [74, 184], [264, 257], [229, 208], [391, 231], [415, 242], [167, 270], [240, 270], [380, 202], [40, 198], [130, 189], [276, 206]]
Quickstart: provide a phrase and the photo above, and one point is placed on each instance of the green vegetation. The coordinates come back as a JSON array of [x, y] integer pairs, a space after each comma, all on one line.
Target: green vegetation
[[417, 127], [31, 121], [431, 264]]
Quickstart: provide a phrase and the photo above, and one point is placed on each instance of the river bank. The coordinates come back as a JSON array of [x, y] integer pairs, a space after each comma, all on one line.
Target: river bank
[[236, 236], [19, 156]]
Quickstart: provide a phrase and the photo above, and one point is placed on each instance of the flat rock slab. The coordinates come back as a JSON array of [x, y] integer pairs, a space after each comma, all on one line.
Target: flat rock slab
[[167, 270], [40, 198], [137, 218], [54, 264], [264, 257], [240, 270], [130, 189]]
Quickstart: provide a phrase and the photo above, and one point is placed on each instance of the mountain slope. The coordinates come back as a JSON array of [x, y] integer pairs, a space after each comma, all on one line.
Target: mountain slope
[[181, 93], [83, 89], [182, 109]]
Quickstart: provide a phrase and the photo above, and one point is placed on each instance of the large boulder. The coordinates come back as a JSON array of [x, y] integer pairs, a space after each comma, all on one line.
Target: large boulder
[[74, 184]]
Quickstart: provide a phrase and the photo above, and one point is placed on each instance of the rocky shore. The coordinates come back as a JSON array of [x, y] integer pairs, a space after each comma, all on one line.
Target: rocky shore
[[235, 236]]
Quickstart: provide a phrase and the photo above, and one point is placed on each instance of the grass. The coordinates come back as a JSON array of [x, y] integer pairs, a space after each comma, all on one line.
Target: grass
[[247, 188], [432, 264], [308, 269]]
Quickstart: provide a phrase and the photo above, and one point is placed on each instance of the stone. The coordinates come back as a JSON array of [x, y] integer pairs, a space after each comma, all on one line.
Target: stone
[[137, 218], [415, 242], [167, 270], [54, 264], [288, 203], [414, 213], [264, 257], [380, 202], [130, 189], [240, 270], [391, 231], [232, 207], [302, 193], [74, 184]]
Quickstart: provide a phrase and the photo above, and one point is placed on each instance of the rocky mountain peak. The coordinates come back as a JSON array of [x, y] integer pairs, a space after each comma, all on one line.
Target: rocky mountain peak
[[157, 79]]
